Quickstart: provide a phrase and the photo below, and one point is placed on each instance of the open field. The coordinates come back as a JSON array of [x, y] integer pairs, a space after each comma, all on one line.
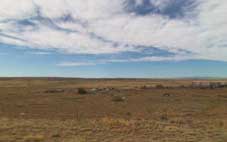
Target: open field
[[111, 110]]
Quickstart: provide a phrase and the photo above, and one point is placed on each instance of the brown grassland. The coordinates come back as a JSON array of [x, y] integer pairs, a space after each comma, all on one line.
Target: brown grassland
[[110, 110]]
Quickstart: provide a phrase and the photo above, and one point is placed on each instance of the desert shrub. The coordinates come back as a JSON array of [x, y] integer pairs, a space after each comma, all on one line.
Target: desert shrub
[[159, 86], [118, 99], [82, 91], [129, 114], [164, 117], [144, 87], [54, 91]]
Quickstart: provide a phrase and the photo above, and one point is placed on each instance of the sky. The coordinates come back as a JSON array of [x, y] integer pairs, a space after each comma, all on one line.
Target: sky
[[120, 38]]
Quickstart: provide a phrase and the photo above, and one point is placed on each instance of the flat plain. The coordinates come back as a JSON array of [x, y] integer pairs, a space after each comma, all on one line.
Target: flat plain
[[111, 110]]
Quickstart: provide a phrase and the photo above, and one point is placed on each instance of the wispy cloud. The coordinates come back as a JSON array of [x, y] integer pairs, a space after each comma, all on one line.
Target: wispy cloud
[[75, 64], [39, 53], [198, 27], [106, 61]]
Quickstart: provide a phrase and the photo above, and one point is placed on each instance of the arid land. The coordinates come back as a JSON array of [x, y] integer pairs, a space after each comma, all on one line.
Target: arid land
[[111, 110]]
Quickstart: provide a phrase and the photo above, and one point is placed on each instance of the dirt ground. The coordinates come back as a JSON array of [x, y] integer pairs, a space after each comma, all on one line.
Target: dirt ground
[[112, 110]]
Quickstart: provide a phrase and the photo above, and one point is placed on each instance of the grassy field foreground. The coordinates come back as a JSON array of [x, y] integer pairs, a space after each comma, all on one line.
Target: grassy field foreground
[[52, 110]]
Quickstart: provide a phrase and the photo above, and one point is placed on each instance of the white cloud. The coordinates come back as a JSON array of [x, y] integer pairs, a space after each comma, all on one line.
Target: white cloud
[[75, 64], [142, 59], [10, 9], [39, 53], [152, 59], [104, 27]]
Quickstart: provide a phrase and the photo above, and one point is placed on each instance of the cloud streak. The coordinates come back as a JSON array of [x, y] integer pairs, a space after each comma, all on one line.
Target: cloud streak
[[197, 27], [75, 64]]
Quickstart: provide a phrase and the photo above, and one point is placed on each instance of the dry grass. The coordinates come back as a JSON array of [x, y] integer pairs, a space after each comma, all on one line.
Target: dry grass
[[116, 122], [28, 114], [34, 138]]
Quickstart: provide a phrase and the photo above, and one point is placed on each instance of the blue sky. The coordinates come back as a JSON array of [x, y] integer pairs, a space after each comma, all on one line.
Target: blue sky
[[121, 38]]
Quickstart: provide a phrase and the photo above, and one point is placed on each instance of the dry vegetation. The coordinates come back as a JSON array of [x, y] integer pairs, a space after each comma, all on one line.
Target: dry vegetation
[[55, 110]]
